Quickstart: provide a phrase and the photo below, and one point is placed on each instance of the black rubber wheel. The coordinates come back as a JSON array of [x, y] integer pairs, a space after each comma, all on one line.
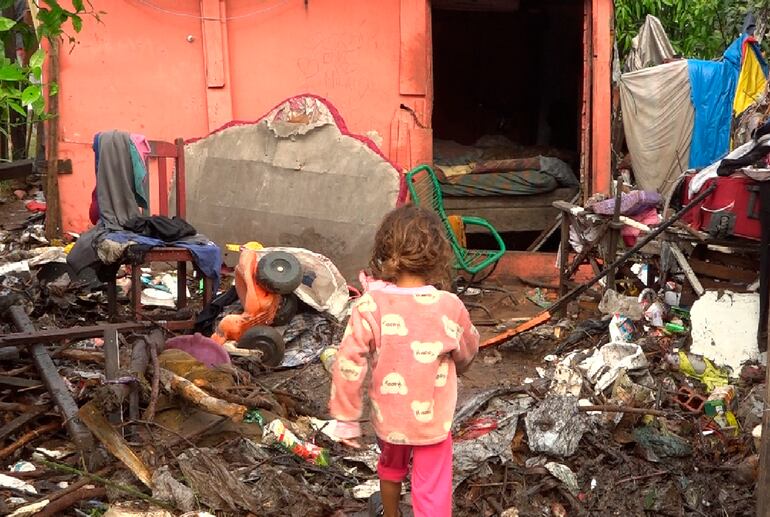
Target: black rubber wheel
[[279, 272], [267, 340], [287, 309]]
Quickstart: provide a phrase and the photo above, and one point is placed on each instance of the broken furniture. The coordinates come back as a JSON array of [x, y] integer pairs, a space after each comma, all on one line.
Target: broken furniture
[[425, 191], [163, 151], [37, 339], [619, 261], [591, 231]]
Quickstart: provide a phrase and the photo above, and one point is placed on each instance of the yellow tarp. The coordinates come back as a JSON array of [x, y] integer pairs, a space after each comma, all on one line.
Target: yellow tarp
[[751, 82]]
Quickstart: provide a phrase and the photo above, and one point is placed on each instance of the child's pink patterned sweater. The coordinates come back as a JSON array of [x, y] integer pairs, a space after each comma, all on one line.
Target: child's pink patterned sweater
[[416, 339]]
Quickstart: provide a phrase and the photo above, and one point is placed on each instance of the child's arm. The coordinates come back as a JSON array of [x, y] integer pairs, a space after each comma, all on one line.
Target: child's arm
[[469, 343], [348, 374]]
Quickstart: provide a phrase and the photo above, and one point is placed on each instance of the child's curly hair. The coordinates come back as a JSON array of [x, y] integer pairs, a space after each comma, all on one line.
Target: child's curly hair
[[412, 240]]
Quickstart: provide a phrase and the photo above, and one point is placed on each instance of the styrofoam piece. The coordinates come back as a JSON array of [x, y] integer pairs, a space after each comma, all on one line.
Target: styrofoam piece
[[724, 328]]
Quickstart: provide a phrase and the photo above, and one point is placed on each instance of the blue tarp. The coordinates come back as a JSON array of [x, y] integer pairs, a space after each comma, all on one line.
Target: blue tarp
[[712, 86]]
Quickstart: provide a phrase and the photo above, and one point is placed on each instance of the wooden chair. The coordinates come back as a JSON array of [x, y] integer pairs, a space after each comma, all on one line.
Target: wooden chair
[[162, 152]]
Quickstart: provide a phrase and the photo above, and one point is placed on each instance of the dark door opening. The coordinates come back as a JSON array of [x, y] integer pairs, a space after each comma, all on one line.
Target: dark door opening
[[507, 79]]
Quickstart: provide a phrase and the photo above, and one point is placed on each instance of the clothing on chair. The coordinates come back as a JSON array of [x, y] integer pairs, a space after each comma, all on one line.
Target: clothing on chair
[[138, 150], [161, 227]]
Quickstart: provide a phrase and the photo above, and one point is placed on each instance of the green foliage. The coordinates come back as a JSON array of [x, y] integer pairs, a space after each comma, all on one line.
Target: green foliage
[[20, 85], [697, 28]]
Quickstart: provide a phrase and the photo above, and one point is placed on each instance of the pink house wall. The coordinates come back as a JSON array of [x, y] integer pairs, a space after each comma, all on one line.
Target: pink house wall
[[171, 68]]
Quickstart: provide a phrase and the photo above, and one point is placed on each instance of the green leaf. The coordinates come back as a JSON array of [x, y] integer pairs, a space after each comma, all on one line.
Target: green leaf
[[77, 22], [17, 108], [11, 72], [36, 59], [31, 93], [53, 89], [78, 5], [39, 106], [6, 24]]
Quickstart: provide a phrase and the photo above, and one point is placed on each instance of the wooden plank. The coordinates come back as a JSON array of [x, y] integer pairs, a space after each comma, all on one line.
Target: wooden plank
[[181, 180], [727, 259], [585, 104], [508, 334], [53, 216], [162, 187], [763, 494], [55, 384], [511, 219], [564, 249], [688, 272], [98, 424], [16, 170], [547, 199], [475, 5], [722, 272], [413, 62], [19, 382], [711, 284], [53, 335], [213, 51], [22, 420], [601, 108], [161, 148]]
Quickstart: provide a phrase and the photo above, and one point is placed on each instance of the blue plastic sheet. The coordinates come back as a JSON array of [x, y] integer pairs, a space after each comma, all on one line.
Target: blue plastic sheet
[[712, 86]]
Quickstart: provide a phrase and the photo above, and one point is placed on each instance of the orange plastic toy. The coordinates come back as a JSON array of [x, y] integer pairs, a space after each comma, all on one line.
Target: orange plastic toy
[[265, 282], [259, 305]]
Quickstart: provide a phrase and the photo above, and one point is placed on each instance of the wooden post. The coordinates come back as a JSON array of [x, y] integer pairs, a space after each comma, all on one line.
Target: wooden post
[[54, 383], [615, 226], [53, 221], [763, 494], [564, 254]]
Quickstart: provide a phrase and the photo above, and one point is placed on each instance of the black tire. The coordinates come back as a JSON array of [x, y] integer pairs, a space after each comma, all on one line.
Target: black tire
[[267, 340], [279, 272], [287, 309]]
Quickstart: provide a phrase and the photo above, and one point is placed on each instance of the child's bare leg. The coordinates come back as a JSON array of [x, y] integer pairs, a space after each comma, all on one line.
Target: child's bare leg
[[390, 491]]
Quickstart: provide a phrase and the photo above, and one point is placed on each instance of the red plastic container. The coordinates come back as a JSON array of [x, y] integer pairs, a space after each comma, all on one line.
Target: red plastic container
[[732, 210]]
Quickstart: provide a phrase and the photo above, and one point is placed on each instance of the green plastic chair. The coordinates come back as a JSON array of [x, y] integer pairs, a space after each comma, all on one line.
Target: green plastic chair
[[425, 191]]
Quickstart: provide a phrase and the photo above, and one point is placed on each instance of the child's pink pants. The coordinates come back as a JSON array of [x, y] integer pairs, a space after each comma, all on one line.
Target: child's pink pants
[[431, 474]]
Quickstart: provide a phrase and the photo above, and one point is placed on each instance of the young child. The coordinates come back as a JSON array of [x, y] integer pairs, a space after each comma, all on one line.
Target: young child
[[416, 338]]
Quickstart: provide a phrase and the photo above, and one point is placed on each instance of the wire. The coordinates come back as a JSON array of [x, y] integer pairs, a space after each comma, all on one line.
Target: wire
[[147, 3]]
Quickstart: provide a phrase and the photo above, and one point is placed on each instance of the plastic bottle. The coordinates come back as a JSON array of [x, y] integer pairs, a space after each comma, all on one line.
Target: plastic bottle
[[697, 362], [276, 431], [675, 328]]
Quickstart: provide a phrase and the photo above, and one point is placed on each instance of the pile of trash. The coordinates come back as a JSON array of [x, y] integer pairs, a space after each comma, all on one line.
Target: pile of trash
[[625, 415], [628, 412]]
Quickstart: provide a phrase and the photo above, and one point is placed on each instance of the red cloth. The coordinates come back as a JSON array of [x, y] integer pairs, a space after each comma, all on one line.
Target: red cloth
[[93, 210], [35, 206]]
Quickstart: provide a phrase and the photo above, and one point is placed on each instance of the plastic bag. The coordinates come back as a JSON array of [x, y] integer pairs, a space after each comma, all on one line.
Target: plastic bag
[[323, 287], [622, 329]]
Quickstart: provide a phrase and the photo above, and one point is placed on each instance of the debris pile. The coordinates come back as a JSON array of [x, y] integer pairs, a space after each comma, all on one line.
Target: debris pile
[[623, 409]]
